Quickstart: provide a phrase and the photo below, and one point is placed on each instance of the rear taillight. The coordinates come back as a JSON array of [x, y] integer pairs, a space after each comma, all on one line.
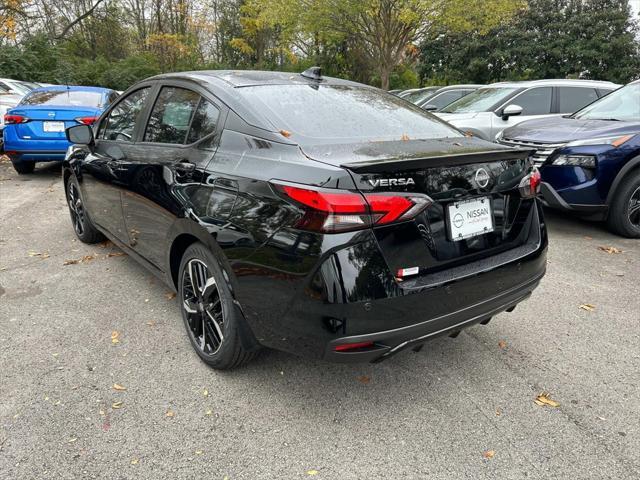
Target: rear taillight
[[12, 119], [530, 185], [331, 211], [86, 120]]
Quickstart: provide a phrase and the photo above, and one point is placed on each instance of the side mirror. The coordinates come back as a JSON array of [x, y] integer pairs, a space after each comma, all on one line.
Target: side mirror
[[430, 108], [511, 111], [80, 135]]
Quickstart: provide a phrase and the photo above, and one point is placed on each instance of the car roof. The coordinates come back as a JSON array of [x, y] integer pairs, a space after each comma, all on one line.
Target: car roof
[[556, 83], [72, 88], [251, 78]]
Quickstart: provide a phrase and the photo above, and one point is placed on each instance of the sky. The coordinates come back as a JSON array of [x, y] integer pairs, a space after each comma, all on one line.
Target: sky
[[635, 6]]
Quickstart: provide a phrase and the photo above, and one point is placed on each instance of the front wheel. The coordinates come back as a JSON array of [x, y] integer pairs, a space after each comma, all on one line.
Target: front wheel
[[624, 214], [212, 320], [82, 225]]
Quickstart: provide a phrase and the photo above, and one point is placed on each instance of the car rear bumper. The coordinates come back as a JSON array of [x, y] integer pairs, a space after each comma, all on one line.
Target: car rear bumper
[[551, 198], [352, 297], [31, 150]]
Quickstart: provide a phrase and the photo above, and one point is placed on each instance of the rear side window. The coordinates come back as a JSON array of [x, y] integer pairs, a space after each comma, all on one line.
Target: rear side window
[[171, 116], [445, 98], [121, 121], [536, 101], [204, 121], [573, 99]]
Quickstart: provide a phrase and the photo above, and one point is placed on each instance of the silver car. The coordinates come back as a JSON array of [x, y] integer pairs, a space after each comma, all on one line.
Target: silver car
[[489, 110]]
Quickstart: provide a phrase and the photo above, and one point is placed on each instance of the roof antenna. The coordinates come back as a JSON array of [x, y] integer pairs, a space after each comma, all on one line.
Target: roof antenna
[[313, 73]]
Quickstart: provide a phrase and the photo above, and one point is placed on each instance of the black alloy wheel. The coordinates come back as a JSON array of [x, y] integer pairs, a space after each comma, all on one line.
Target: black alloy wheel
[[203, 307], [215, 325], [82, 225]]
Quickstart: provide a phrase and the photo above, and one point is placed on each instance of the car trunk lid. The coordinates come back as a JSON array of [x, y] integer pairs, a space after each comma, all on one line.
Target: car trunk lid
[[48, 122], [464, 178]]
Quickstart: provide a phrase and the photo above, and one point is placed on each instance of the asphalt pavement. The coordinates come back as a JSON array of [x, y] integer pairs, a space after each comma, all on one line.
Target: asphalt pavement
[[98, 380]]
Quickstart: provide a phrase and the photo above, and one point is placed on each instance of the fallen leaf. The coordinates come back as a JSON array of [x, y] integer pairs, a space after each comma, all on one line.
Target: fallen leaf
[[285, 133], [88, 258], [498, 412], [151, 324], [199, 452], [364, 379], [502, 344], [116, 254], [311, 473], [114, 337], [71, 440], [39, 254], [120, 388], [543, 399], [209, 412], [588, 307], [404, 137], [170, 295], [116, 405], [489, 454], [169, 413], [588, 237], [134, 461], [71, 262], [205, 392], [105, 244], [610, 250]]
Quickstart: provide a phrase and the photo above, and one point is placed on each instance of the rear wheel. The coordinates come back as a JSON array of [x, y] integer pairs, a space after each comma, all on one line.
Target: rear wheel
[[82, 225], [624, 214], [212, 320], [24, 167]]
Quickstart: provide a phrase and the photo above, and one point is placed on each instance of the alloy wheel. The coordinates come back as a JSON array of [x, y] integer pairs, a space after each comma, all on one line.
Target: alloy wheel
[[203, 307], [76, 208], [634, 208]]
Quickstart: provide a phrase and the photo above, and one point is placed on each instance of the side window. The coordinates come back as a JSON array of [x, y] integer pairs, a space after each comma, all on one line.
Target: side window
[[536, 101], [122, 119], [171, 116], [573, 99], [204, 121]]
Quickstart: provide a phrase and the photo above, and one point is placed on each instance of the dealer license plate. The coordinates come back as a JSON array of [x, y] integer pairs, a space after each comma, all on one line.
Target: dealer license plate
[[470, 218], [54, 126]]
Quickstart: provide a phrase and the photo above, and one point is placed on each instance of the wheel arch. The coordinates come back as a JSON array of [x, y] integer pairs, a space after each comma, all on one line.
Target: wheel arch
[[630, 166]]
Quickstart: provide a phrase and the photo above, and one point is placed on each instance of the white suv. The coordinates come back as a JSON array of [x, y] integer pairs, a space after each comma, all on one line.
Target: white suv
[[489, 110]]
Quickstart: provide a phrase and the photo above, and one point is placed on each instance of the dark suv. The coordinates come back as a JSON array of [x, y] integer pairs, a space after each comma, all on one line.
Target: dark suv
[[308, 214]]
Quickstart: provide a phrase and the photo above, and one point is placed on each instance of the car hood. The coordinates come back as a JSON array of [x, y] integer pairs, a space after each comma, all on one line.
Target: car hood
[[563, 129], [393, 152]]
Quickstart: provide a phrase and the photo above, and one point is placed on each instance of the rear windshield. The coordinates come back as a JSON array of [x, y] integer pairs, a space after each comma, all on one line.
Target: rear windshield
[[81, 98], [482, 100], [344, 112]]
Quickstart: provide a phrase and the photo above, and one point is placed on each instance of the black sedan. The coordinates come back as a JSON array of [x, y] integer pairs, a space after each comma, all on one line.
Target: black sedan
[[307, 214]]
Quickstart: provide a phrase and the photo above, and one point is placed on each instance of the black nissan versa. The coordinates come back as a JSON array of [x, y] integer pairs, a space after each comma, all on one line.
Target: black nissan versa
[[308, 214]]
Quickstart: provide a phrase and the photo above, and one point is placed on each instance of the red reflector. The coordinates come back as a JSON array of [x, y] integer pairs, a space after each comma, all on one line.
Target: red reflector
[[534, 182], [86, 120], [11, 119], [352, 346]]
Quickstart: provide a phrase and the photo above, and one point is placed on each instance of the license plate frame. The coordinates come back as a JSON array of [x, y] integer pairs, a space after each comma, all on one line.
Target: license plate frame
[[53, 127], [464, 229]]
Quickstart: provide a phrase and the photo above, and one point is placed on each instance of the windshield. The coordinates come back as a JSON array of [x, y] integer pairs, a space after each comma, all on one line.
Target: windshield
[[337, 112], [81, 98], [623, 104], [420, 95], [481, 100]]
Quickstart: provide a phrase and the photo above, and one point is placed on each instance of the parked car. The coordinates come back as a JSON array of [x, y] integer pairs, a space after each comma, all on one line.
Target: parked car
[[444, 96], [307, 214], [7, 101], [417, 95], [34, 129], [590, 161], [16, 87], [489, 110], [396, 91]]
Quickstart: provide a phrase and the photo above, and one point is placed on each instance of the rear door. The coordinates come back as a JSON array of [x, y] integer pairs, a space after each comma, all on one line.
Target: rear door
[[106, 171], [167, 164], [572, 99]]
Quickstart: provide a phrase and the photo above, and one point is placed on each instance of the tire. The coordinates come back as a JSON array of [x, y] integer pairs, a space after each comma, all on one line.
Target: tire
[[624, 213], [82, 225], [208, 307], [24, 168]]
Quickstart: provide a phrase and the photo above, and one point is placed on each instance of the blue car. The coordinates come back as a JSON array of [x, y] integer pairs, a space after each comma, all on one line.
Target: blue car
[[34, 129], [590, 161]]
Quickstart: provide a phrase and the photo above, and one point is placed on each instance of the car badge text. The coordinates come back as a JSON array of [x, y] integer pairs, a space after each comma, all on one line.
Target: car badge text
[[391, 182]]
